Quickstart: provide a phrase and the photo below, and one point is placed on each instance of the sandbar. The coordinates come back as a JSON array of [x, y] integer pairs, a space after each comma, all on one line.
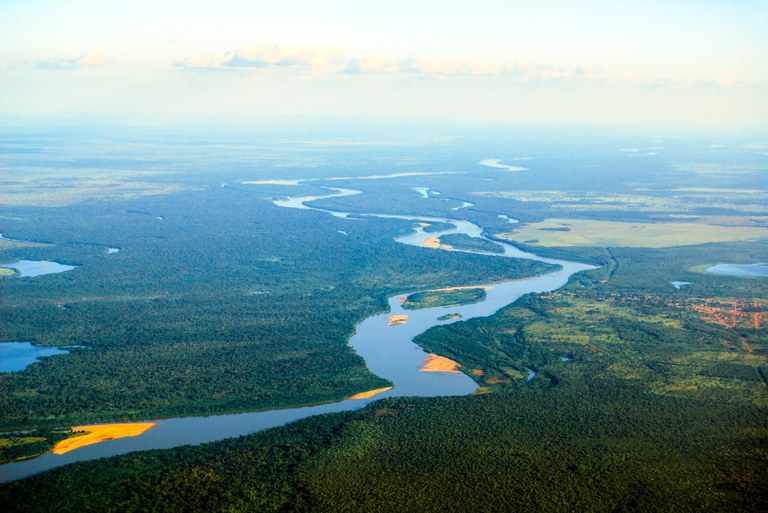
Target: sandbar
[[369, 394], [395, 320], [436, 363], [434, 242], [102, 433]]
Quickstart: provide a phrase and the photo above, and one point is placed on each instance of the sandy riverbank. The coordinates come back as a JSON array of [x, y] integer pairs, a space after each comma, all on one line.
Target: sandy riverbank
[[103, 433]]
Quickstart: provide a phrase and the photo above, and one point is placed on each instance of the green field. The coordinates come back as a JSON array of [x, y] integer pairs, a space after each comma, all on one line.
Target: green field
[[19, 446], [582, 232]]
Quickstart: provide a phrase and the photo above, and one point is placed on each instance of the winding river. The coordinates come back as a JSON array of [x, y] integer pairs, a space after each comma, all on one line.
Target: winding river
[[389, 351]]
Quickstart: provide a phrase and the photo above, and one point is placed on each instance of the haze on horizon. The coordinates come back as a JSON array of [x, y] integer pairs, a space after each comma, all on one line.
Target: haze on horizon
[[700, 63]]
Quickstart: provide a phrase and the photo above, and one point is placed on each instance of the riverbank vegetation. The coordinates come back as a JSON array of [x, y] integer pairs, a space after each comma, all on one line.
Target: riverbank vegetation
[[442, 298], [467, 243], [28, 444]]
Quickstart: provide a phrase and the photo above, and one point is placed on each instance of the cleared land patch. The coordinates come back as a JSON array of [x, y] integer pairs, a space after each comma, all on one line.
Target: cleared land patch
[[659, 200], [581, 232], [57, 192]]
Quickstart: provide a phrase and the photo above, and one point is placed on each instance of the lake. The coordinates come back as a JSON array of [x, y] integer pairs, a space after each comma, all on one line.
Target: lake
[[759, 270], [29, 268], [17, 356]]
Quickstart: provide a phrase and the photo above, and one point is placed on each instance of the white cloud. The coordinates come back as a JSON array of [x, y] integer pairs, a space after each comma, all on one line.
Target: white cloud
[[312, 58], [206, 61], [330, 61], [83, 60], [373, 64], [521, 71]]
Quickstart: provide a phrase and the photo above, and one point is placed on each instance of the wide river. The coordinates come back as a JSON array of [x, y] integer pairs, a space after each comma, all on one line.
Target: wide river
[[389, 351]]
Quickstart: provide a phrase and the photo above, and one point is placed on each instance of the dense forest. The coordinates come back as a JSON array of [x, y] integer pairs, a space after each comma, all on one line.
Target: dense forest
[[226, 304], [638, 404], [618, 392]]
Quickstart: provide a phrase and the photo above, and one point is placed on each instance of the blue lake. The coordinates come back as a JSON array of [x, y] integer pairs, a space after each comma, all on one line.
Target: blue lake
[[759, 270], [28, 268], [17, 356]]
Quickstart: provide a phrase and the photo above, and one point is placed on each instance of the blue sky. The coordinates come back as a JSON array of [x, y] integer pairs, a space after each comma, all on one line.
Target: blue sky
[[673, 62]]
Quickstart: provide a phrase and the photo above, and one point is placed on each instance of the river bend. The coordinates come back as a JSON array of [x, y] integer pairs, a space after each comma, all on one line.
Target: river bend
[[389, 351]]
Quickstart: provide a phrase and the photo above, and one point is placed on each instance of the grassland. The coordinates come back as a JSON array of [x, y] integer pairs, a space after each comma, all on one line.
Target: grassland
[[21, 446], [57, 192], [587, 232], [12, 244], [684, 199]]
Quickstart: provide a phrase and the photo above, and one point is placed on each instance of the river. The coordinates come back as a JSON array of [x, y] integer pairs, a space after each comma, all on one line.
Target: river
[[389, 351]]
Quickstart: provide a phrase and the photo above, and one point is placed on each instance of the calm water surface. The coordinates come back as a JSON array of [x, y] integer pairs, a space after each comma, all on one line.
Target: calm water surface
[[17, 356], [29, 268], [760, 270]]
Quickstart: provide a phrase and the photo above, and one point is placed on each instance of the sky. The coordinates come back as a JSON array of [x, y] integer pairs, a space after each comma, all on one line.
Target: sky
[[684, 62]]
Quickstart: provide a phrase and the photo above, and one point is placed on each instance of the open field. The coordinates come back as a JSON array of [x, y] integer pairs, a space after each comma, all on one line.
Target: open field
[[661, 200], [13, 244], [64, 191], [17, 446], [580, 232]]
